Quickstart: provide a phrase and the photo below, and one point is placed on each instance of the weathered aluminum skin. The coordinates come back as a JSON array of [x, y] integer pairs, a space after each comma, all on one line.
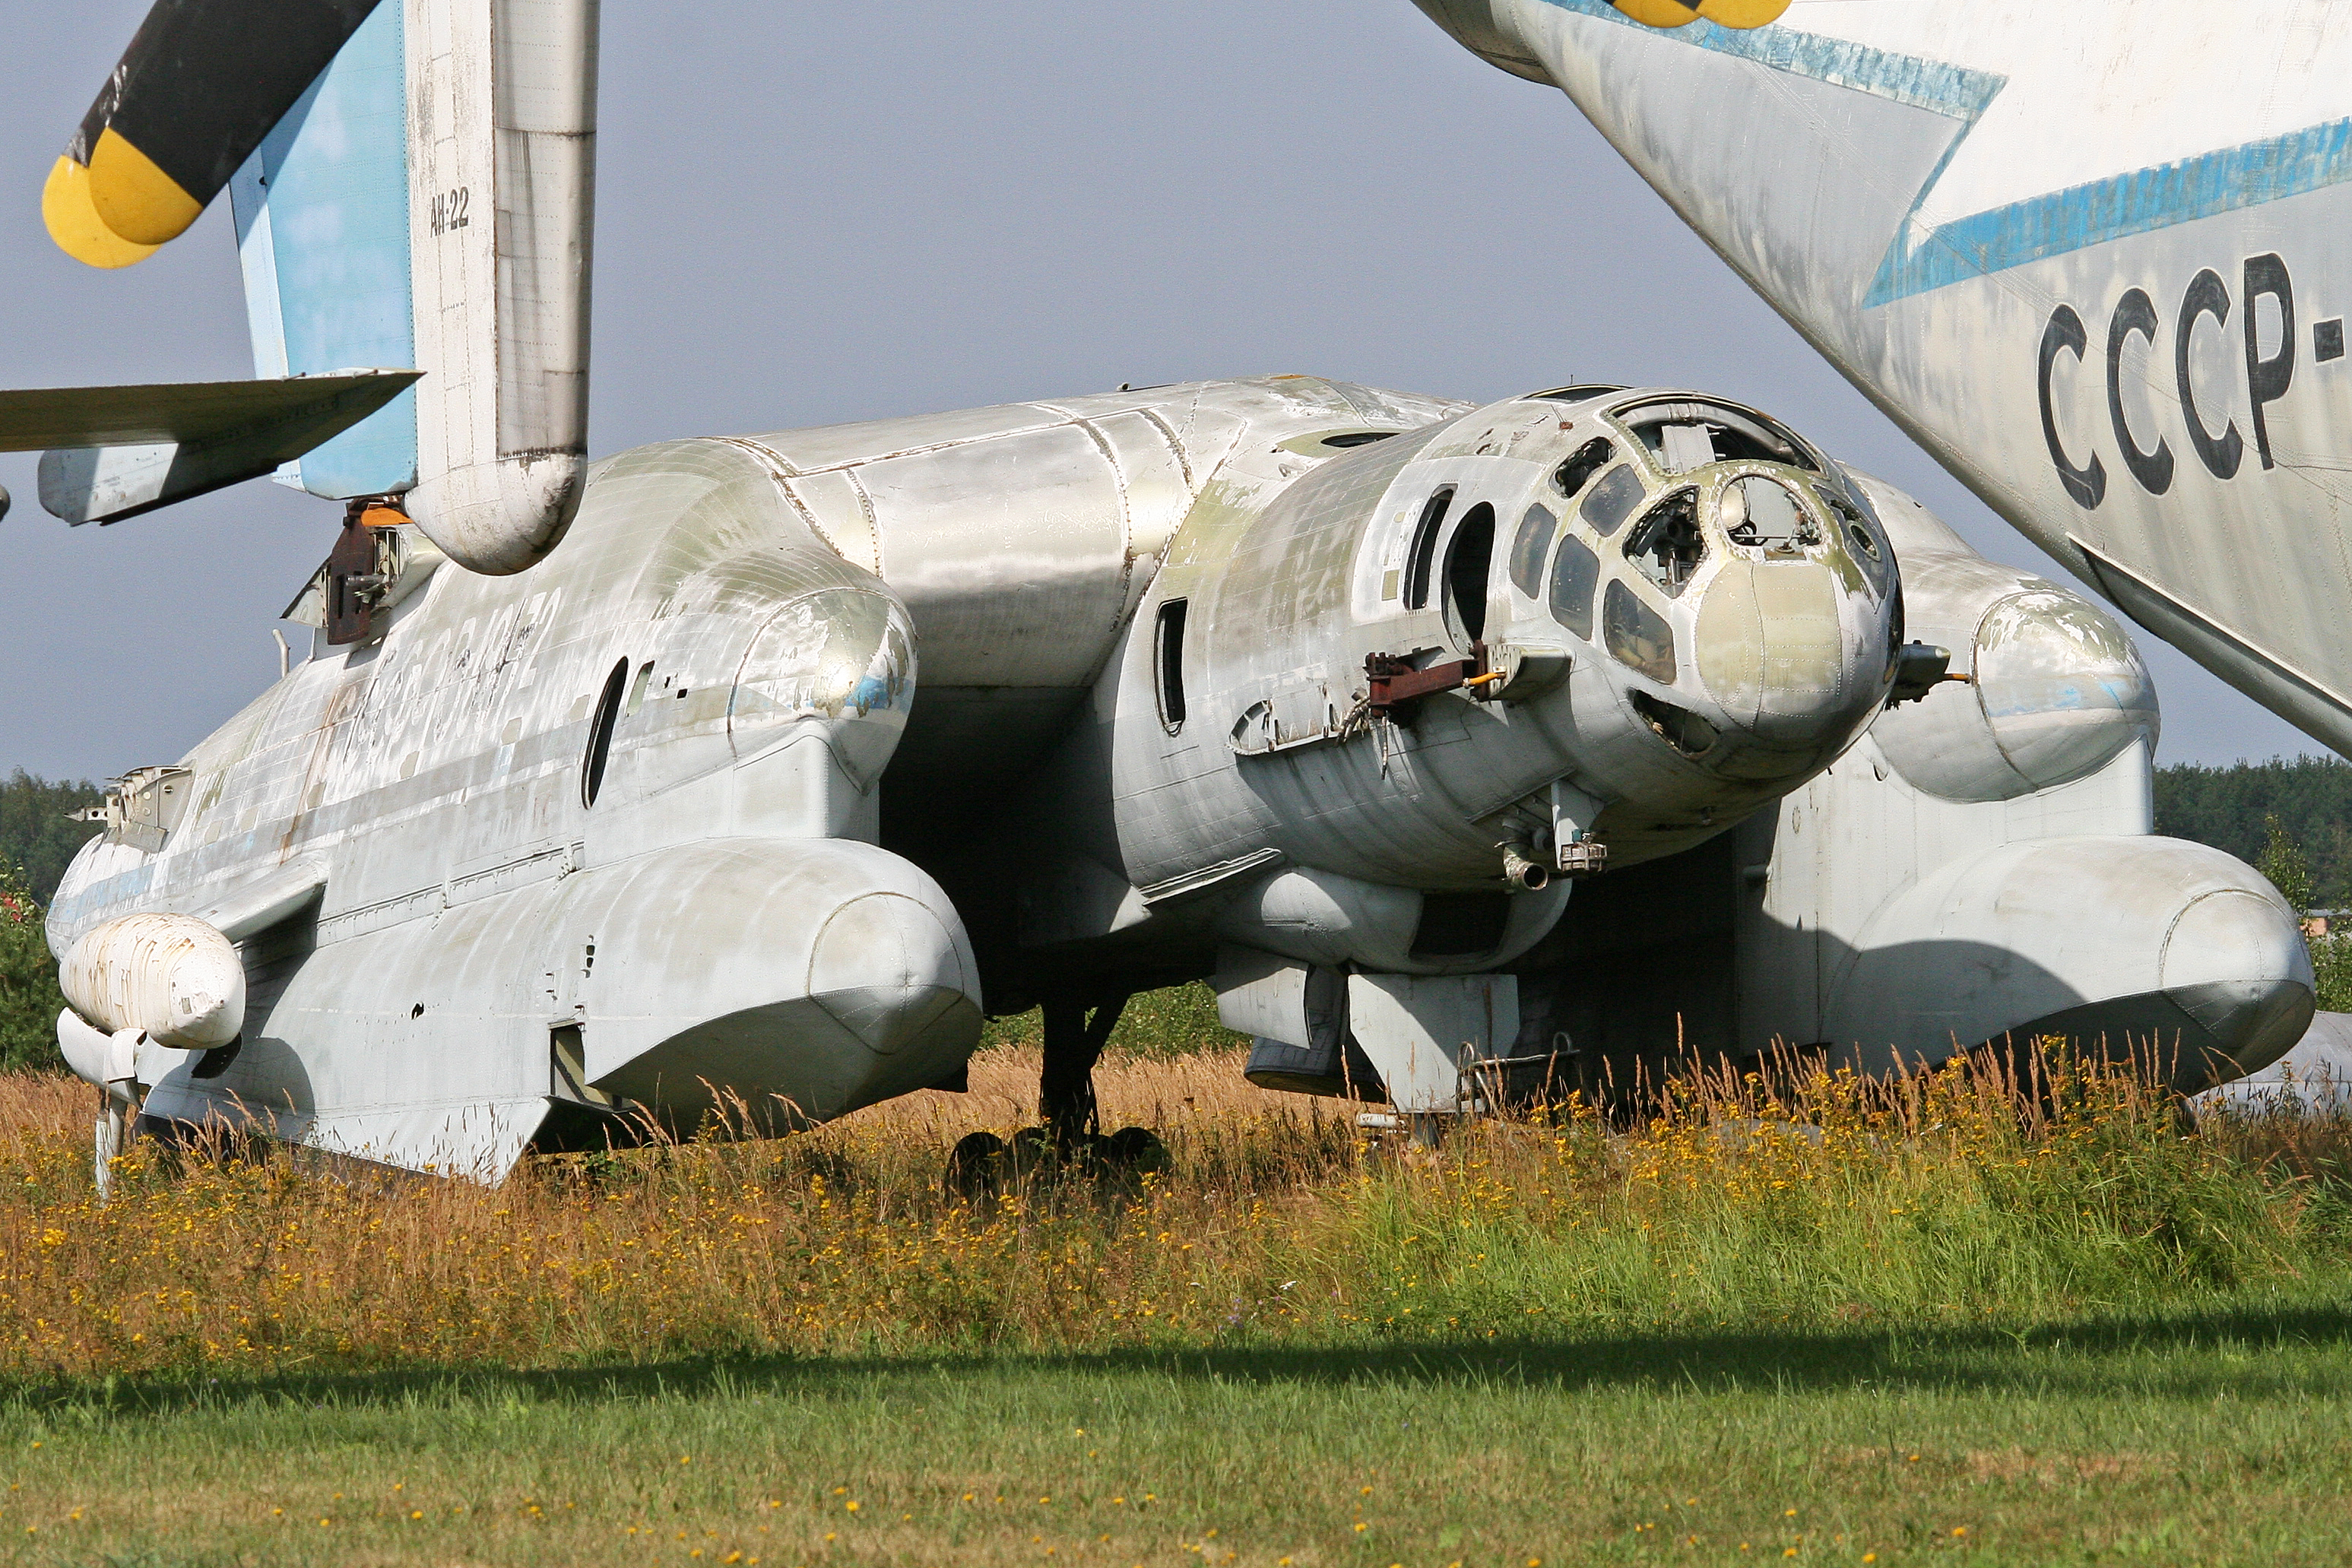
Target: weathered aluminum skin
[[1984, 863], [1022, 538], [433, 780], [708, 907], [501, 155], [2093, 257], [1146, 839]]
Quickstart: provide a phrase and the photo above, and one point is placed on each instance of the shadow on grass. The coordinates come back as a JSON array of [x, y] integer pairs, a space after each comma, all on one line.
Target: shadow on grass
[[2184, 1355]]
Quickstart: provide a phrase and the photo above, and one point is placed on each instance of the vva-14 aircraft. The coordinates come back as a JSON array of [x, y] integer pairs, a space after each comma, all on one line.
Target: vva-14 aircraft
[[753, 771]]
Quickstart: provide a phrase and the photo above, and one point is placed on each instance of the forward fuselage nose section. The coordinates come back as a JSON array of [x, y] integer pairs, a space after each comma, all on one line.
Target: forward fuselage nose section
[[1774, 573], [1726, 588], [1668, 603]]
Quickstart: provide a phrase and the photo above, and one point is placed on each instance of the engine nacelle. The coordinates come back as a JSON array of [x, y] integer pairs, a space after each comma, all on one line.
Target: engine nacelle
[[170, 976], [2056, 691]]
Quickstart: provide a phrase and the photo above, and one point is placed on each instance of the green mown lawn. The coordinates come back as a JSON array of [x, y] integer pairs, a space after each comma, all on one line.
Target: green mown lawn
[[2223, 1435]]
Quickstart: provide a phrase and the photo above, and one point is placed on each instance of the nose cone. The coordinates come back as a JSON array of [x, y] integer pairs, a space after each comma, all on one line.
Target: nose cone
[[1794, 657], [2236, 964]]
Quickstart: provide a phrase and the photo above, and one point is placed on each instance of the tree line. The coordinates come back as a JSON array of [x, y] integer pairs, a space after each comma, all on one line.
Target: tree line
[[38, 840], [2308, 800]]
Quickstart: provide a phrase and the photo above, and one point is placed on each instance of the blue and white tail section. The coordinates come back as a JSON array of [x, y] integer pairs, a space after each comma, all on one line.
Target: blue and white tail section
[[502, 180], [428, 203], [412, 184], [322, 232]]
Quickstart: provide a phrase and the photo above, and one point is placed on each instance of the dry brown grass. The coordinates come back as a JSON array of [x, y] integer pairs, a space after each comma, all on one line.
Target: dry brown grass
[[1830, 1202], [837, 1239]]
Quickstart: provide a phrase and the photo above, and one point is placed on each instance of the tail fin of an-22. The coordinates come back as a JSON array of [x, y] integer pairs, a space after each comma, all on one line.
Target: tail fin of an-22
[[411, 184]]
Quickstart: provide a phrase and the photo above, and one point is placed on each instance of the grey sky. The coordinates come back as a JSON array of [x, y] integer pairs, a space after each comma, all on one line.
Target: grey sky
[[810, 215]]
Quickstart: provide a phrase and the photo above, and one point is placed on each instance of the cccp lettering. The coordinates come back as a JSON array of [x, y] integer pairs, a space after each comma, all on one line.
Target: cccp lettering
[[2152, 467]]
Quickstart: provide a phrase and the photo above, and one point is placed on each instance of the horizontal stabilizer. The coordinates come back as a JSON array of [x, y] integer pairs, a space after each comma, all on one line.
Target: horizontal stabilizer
[[115, 452], [413, 184]]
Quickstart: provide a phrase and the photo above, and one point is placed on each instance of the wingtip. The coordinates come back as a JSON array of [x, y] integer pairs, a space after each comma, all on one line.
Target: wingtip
[[1658, 13], [1743, 13], [1737, 13]]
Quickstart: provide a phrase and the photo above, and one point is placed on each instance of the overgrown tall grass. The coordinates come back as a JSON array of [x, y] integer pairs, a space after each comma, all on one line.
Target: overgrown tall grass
[[1948, 1198]]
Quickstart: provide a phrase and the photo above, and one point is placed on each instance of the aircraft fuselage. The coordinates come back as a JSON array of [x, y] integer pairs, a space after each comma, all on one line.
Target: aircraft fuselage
[[685, 813]]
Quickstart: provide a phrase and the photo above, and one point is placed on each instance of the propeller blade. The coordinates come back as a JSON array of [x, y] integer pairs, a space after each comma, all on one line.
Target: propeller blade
[[200, 86]]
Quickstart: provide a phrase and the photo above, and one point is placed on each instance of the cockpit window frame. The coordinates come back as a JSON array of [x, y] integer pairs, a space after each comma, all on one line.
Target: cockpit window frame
[[1656, 546], [1856, 521], [1641, 417], [1806, 533], [1572, 584], [1530, 546], [1605, 493]]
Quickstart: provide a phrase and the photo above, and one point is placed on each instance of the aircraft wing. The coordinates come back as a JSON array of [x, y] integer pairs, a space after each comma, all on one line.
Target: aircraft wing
[[112, 453]]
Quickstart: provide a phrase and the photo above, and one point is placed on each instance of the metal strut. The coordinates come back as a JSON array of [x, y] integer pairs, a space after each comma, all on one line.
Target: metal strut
[[1075, 1032]]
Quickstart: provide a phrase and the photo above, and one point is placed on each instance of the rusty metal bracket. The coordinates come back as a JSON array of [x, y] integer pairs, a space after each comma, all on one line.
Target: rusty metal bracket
[[357, 569], [1396, 685]]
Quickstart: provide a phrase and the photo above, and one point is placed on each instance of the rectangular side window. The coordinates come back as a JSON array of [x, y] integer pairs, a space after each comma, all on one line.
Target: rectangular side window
[[1170, 658]]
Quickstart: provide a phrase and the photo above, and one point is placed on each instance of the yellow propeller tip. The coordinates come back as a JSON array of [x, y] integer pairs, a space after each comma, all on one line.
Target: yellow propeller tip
[[1740, 14], [1657, 12], [73, 221], [134, 197]]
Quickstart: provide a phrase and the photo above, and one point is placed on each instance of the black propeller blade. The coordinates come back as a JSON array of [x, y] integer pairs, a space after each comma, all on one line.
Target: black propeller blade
[[200, 86]]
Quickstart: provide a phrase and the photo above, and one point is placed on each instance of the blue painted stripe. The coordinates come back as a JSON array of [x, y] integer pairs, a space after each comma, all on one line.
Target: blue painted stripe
[[322, 229], [1957, 91], [2103, 210], [2039, 228]]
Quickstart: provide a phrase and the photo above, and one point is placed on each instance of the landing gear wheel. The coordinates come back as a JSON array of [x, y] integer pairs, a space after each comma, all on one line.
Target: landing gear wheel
[[978, 1165], [1136, 1149], [983, 1164]]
